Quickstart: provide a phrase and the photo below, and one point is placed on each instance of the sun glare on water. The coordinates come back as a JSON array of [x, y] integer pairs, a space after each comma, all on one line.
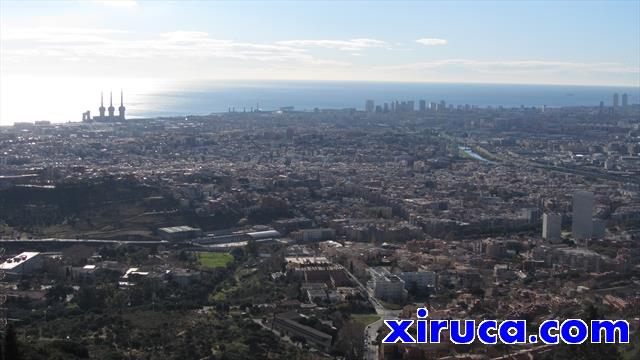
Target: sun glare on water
[[60, 100]]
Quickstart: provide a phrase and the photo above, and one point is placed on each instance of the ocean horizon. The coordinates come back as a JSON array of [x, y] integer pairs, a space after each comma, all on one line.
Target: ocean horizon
[[148, 98]]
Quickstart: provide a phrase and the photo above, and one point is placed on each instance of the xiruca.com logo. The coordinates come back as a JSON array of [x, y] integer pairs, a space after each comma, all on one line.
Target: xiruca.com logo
[[570, 331]]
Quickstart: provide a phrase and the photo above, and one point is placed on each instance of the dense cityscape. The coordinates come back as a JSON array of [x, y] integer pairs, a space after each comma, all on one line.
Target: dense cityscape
[[310, 180], [294, 234]]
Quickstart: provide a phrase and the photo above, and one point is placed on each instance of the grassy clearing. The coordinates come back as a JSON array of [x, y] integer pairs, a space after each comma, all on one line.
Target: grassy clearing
[[391, 306], [365, 319], [464, 154], [214, 260]]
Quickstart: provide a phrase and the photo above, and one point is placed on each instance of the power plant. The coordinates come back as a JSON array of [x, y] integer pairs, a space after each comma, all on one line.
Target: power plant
[[111, 117]]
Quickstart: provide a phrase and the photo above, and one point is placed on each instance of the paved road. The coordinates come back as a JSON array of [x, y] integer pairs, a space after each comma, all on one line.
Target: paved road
[[376, 304], [371, 331], [370, 334], [79, 241]]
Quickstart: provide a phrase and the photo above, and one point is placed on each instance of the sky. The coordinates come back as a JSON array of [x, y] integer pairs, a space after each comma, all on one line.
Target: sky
[[537, 42]]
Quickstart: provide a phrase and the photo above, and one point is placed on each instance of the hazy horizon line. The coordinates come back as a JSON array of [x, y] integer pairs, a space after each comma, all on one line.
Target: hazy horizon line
[[373, 81]]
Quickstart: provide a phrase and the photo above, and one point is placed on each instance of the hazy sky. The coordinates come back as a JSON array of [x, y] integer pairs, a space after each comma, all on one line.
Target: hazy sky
[[493, 42]]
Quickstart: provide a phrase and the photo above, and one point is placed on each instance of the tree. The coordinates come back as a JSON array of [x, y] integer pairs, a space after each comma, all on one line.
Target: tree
[[238, 254], [24, 284], [77, 255], [89, 297], [251, 248], [351, 340], [57, 293], [11, 344]]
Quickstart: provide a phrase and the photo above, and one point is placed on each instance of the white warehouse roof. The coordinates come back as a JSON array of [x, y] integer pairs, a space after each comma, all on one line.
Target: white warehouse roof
[[264, 234], [17, 260]]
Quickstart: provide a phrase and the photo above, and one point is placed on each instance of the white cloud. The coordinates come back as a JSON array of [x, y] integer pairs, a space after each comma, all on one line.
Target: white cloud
[[129, 4], [431, 41], [346, 45], [515, 66], [182, 35], [58, 34], [187, 53], [93, 44]]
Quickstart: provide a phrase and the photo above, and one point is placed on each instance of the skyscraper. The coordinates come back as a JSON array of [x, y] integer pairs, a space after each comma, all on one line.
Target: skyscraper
[[551, 225], [369, 106], [625, 100], [582, 222], [615, 100], [422, 105]]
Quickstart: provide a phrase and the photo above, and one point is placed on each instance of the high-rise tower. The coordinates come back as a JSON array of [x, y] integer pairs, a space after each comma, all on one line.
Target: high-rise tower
[[369, 106], [121, 108], [551, 227], [422, 105], [111, 109], [582, 222]]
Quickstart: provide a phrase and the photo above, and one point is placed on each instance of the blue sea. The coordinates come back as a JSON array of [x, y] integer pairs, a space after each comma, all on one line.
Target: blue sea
[[205, 98], [36, 99]]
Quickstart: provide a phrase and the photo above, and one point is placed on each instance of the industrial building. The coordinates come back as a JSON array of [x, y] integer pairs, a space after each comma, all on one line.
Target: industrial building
[[314, 235], [287, 324], [176, 233], [240, 238], [266, 234], [112, 117], [22, 264]]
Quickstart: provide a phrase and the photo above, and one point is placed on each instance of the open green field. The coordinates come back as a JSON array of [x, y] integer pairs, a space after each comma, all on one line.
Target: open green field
[[213, 260], [365, 319]]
